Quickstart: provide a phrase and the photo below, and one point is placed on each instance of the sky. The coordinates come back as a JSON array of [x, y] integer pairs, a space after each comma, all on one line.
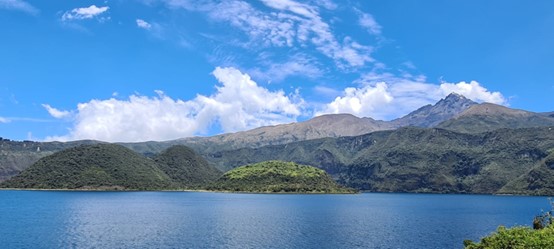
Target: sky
[[143, 70]]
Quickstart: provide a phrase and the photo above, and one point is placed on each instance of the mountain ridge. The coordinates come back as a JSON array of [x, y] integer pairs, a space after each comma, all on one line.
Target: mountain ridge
[[332, 125], [487, 117], [16, 156]]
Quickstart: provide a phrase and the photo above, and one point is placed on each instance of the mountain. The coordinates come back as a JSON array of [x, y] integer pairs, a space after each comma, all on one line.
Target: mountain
[[17, 156], [278, 176], [100, 166], [413, 159], [489, 117], [332, 125], [404, 160], [186, 168], [432, 115], [464, 116]]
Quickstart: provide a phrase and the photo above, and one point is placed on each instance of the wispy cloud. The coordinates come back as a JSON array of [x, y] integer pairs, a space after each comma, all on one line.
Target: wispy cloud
[[85, 13], [287, 24], [143, 24], [367, 21], [327, 4], [297, 65], [327, 91], [24, 119], [18, 5], [55, 112]]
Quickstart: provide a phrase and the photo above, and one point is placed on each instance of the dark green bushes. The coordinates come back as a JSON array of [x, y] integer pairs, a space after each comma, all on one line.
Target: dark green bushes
[[539, 237]]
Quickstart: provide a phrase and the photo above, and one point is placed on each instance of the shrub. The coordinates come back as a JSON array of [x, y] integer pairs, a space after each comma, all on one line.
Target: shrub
[[540, 236]]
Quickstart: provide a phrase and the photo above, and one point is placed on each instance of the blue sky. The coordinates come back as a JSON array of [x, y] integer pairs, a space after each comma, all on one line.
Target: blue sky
[[125, 70]]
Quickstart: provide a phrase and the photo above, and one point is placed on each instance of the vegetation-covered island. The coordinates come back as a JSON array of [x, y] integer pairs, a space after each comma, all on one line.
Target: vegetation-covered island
[[278, 177]]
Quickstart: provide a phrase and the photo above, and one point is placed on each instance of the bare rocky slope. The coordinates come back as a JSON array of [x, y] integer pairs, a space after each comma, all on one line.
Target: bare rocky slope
[[488, 117], [432, 115]]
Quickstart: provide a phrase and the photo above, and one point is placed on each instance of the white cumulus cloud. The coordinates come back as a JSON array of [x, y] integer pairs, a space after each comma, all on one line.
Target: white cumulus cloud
[[55, 112], [143, 24], [84, 13], [396, 97], [474, 91], [19, 5], [365, 101], [238, 104]]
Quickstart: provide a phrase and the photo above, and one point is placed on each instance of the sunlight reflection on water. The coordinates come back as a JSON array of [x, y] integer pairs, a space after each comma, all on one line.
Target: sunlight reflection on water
[[49, 219]]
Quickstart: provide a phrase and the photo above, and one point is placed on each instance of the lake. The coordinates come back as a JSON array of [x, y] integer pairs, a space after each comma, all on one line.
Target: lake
[[58, 219]]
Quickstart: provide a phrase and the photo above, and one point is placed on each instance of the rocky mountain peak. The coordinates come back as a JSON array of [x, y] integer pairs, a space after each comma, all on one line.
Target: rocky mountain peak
[[431, 115], [455, 99], [453, 103], [455, 96]]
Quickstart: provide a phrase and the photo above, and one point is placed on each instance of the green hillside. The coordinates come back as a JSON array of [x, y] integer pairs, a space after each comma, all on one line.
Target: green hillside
[[186, 168], [278, 176], [101, 166], [16, 156], [539, 180], [415, 159]]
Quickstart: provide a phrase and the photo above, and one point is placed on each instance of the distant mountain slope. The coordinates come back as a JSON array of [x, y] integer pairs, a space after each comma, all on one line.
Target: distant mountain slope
[[278, 176], [549, 114], [538, 181], [90, 167], [432, 115], [413, 159], [489, 117], [186, 168], [332, 125]]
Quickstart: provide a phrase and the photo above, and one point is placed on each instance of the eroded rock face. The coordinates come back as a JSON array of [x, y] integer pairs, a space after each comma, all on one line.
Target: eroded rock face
[[432, 115]]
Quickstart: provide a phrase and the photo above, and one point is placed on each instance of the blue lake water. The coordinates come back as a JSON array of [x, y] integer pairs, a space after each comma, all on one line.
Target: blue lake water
[[52, 219]]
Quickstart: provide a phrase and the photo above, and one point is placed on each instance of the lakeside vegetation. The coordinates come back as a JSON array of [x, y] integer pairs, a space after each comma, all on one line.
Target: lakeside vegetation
[[541, 235]]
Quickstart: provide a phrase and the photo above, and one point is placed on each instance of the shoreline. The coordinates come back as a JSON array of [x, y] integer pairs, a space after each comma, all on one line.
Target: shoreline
[[242, 192], [172, 190]]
